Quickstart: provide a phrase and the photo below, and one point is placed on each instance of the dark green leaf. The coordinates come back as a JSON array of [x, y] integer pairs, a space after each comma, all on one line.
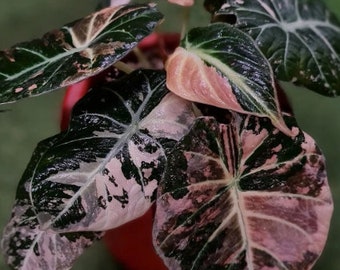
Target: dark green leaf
[[76, 51], [301, 38], [234, 75], [243, 196]]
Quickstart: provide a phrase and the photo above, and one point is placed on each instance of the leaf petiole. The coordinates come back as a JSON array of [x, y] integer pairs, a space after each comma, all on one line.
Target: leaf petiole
[[123, 67], [141, 58], [185, 20]]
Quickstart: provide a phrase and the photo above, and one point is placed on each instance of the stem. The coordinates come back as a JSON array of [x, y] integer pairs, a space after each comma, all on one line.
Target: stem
[[141, 58], [123, 67], [185, 20]]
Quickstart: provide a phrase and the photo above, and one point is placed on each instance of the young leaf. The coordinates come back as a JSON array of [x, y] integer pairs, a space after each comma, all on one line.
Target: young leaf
[[111, 3], [182, 2], [301, 38], [114, 3], [242, 196], [221, 66], [74, 52], [104, 170]]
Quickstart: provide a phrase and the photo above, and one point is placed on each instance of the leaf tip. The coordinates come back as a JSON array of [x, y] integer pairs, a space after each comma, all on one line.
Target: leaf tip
[[280, 124]]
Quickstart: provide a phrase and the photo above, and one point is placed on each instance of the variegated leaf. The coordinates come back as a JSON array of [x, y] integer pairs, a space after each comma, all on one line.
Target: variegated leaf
[[27, 247], [221, 66], [105, 169], [102, 172], [243, 195], [114, 3], [111, 3], [30, 248], [74, 52], [182, 2], [301, 38]]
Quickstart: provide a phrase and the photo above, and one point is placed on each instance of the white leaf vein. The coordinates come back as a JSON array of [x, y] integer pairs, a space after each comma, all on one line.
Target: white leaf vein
[[130, 131]]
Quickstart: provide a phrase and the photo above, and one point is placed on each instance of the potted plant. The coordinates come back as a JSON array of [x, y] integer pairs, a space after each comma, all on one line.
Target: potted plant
[[201, 131]]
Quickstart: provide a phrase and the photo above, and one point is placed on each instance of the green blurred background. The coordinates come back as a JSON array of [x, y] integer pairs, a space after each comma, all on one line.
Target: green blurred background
[[29, 121]]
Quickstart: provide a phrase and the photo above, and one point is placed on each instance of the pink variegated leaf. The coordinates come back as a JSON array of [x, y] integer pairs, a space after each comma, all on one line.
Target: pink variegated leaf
[[31, 248], [100, 173], [221, 66], [114, 3], [243, 195], [105, 169], [186, 3]]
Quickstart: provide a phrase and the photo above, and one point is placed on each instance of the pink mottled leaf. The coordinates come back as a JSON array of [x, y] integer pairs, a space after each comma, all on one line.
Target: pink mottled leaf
[[31, 248], [115, 3], [243, 195], [221, 66], [100, 173]]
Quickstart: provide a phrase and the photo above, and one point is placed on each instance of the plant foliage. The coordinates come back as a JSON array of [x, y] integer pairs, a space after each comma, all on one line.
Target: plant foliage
[[102, 172], [199, 130], [232, 192], [76, 51], [247, 83], [300, 38]]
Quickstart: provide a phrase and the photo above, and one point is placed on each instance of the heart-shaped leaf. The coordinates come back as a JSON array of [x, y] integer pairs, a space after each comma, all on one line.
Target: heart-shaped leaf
[[221, 66], [76, 51], [102, 172], [105, 169], [242, 196], [301, 38]]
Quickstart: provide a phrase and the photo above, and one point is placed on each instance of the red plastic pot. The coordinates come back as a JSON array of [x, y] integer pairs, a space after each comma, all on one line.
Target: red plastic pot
[[130, 244]]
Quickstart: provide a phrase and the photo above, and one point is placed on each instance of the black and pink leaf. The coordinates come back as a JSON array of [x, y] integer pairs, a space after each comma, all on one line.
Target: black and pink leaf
[[242, 195], [103, 171]]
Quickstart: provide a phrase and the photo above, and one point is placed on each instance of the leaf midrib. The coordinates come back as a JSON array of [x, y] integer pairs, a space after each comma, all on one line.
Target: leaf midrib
[[235, 78], [72, 51], [45, 62], [132, 129]]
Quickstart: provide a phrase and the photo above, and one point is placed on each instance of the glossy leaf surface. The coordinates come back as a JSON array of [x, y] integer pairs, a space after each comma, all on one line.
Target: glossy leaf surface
[[104, 170], [243, 196], [221, 66], [76, 51], [301, 38], [27, 247], [106, 167]]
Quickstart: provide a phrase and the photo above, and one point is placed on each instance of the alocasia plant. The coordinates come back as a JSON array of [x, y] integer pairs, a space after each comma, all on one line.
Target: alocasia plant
[[199, 130]]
